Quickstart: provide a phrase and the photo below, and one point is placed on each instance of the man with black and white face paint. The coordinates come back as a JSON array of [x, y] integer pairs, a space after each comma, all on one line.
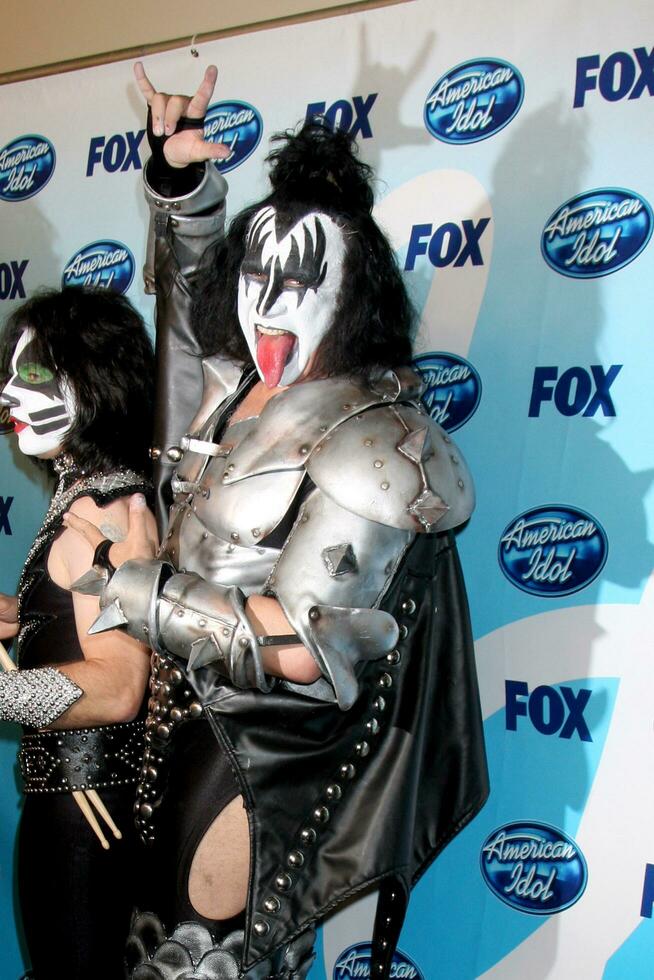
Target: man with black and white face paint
[[79, 364], [298, 664], [42, 406], [288, 292]]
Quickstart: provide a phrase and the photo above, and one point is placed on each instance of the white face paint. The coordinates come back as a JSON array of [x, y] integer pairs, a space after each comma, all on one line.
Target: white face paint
[[288, 291], [42, 407]]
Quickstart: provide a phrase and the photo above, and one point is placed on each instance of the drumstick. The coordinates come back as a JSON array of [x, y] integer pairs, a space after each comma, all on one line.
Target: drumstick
[[80, 798], [95, 799], [8, 664]]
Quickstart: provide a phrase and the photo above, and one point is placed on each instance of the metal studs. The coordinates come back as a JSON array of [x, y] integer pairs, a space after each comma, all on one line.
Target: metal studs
[[304, 450], [314, 613], [385, 681], [378, 464], [367, 442], [348, 771], [145, 810], [404, 632], [455, 459], [362, 749], [176, 714], [308, 835], [174, 454], [256, 533], [334, 792], [347, 407], [295, 859], [179, 612], [261, 927], [379, 704], [235, 536], [202, 623], [409, 607], [154, 453], [283, 882], [385, 485], [460, 484], [195, 709], [321, 814], [176, 676], [163, 731], [272, 905], [243, 641], [372, 726]]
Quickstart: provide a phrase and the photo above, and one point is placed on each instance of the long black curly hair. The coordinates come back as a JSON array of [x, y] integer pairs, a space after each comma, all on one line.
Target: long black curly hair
[[316, 169], [98, 341]]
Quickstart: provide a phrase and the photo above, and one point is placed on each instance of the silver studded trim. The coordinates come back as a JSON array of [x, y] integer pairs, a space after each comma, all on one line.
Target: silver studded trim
[[171, 704], [317, 822], [36, 697]]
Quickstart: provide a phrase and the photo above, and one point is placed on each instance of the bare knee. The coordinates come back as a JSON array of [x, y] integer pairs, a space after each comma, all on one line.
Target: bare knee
[[218, 880]]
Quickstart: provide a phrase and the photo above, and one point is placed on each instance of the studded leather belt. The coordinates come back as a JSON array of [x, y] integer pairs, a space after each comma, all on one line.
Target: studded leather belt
[[82, 758]]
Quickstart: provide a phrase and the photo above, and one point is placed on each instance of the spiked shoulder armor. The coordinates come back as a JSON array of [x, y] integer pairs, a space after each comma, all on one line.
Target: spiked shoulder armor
[[394, 465]]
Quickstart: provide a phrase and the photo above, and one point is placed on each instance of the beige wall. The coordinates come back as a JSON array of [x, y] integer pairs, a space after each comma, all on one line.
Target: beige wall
[[39, 33]]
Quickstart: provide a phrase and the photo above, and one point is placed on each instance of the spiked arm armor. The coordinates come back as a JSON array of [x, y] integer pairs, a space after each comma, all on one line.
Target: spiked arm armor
[[178, 243], [36, 697]]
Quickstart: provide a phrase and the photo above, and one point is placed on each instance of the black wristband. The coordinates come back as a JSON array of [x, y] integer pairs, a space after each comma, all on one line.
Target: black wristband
[[101, 556], [172, 181]]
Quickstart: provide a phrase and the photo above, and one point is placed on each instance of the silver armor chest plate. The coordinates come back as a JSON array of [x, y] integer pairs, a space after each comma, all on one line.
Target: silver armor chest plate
[[216, 528]]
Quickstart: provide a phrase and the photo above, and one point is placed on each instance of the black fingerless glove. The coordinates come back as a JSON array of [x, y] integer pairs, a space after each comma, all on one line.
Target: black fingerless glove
[[172, 181]]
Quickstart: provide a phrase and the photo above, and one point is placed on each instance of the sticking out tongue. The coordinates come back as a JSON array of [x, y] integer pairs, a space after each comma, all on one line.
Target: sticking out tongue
[[273, 354]]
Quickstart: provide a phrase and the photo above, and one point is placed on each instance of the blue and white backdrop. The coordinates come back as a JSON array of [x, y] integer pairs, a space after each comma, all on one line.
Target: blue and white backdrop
[[513, 147]]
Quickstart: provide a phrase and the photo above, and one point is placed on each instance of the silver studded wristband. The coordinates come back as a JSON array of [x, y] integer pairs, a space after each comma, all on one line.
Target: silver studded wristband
[[36, 697]]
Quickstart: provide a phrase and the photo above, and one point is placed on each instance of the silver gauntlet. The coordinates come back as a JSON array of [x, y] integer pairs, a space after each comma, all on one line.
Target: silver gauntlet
[[36, 697], [198, 621]]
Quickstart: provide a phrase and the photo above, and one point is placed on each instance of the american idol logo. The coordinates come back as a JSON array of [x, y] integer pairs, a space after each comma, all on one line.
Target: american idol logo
[[534, 868], [105, 264], [453, 388], [596, 233], [26, 166], [355, 962], [474, 101], [553, 550], [236, 124]]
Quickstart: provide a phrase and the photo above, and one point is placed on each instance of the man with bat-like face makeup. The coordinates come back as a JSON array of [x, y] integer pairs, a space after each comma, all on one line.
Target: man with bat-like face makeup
[[313, 686]]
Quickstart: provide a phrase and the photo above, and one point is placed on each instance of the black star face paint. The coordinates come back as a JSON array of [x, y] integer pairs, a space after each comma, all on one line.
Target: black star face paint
[[42, 406], [288, 291]]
